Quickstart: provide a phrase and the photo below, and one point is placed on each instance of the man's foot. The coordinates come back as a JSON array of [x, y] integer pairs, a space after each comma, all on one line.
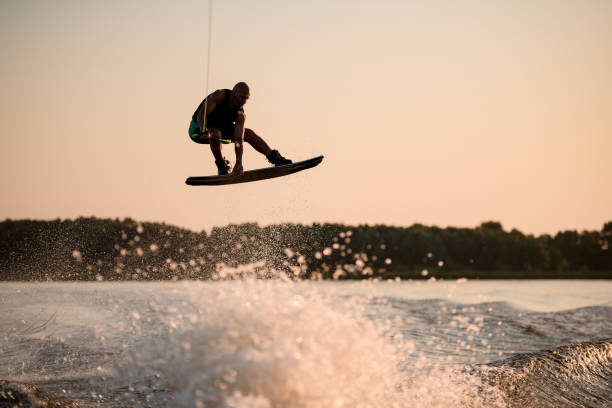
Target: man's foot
[[223, 166], [276, 159]]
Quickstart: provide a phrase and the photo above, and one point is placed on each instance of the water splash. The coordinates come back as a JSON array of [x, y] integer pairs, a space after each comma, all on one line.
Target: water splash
[[282, 343]]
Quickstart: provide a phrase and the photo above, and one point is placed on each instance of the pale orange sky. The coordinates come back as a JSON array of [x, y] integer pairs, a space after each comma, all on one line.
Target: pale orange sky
[[439, 112]]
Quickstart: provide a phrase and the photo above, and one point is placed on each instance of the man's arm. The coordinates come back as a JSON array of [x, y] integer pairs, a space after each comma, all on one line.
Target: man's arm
[[239, 142], [212, 101]]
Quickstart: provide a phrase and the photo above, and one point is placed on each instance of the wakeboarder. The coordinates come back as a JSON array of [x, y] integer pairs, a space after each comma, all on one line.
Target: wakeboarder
[[220, 118]]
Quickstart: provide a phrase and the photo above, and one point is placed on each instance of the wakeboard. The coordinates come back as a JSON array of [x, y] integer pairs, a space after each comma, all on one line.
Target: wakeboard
[[255, 175]]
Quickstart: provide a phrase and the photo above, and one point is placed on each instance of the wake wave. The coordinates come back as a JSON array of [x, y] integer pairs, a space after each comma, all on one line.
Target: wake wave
[[573, 375], [285, 344], [248, 341]]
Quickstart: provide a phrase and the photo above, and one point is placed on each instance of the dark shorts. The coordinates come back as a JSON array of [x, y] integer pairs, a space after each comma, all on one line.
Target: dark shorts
[[195, 133]]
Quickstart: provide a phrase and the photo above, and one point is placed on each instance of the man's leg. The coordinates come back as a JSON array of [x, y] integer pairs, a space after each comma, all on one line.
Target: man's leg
[[262, 147], [257, 142], [215, 145], [223, 166]]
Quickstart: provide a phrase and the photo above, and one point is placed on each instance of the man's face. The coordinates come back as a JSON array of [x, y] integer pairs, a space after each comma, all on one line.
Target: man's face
[[240, 97]]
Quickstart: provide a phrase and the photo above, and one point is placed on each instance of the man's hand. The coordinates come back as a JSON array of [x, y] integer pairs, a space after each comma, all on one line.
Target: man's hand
[[237, 169]]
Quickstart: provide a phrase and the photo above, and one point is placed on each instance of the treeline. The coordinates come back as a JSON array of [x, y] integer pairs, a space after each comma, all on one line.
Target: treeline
[[105, 249]]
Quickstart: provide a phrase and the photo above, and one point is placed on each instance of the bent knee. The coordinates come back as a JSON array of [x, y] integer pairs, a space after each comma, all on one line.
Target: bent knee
[[216, 133], [248, 134]]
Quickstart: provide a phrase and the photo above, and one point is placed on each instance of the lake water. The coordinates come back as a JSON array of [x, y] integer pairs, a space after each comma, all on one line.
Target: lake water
[[274, 343]]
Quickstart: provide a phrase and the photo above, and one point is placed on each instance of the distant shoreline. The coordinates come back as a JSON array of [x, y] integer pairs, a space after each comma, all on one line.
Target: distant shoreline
[[376, 279], [504, 275], [89, 249]]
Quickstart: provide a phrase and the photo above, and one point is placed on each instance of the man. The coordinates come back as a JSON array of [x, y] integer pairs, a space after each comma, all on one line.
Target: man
[[225, 120]]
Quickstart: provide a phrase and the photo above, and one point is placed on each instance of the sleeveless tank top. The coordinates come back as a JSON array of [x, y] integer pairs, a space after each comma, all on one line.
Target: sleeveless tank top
[[223, 116]]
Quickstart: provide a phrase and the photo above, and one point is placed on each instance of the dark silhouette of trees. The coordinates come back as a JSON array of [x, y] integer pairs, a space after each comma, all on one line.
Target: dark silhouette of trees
[[105, 249]]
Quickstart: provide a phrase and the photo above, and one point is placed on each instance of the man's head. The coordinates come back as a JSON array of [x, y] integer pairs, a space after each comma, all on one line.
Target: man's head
[[240, 94]]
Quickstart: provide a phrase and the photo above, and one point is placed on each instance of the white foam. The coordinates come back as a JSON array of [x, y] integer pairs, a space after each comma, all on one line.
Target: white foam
[[272, 343]]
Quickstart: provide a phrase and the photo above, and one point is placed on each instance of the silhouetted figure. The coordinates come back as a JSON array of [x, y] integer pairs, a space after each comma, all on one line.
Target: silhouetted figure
[[225, 119]]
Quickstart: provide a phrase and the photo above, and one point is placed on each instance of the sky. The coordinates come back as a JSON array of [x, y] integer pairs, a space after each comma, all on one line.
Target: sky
[[440, 112]]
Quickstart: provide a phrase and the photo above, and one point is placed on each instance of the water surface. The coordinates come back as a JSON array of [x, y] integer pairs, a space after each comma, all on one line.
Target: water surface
[[272, 343]]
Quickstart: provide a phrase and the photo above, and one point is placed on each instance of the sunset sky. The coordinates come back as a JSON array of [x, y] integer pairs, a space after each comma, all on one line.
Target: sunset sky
[[442, 112]]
